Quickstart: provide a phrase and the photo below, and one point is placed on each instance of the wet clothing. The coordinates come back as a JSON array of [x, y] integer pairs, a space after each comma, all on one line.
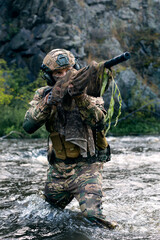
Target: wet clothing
[[77, 151], [85, 184]]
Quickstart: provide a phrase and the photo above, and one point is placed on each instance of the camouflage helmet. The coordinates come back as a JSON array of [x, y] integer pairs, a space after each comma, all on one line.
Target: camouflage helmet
[[59, 59]]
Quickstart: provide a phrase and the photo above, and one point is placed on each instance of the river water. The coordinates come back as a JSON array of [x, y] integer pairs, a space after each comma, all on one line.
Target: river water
[[131, 187]]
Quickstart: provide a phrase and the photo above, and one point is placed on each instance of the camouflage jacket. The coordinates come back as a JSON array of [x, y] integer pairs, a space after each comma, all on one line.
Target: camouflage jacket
[[75, 122], [91, 110]]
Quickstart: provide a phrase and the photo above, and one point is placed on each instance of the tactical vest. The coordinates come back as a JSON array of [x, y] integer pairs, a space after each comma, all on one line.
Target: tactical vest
[[64, 149]]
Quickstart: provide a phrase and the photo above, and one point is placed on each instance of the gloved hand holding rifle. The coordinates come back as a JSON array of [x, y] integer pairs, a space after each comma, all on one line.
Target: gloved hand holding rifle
[[76, 82], [86, 77], [93, 81]]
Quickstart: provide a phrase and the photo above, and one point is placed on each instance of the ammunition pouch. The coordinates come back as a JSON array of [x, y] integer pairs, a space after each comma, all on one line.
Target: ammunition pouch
[[100, 140], [51, 155], [100, 156], [104, 151], [62, 148]]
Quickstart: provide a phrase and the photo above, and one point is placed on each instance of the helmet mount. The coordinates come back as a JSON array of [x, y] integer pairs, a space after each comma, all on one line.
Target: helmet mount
[[62, 60]]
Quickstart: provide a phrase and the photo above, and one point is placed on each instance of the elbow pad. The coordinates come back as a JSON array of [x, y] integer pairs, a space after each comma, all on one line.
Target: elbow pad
[[30, 126]]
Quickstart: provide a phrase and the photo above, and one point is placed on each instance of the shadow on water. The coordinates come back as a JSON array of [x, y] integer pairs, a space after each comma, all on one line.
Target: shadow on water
[[131, 194], [73, 236], [33, 218]]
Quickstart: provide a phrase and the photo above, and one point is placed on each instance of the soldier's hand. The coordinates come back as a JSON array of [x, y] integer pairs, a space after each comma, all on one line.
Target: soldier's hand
[[58, 91], [54, 96], [78, 82]]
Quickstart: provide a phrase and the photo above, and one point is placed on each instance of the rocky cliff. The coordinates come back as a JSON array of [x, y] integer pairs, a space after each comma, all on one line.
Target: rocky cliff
[[91, 29]]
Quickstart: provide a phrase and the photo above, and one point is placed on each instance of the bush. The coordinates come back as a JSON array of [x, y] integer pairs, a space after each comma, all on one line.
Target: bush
[[15, 93], [137, 124]]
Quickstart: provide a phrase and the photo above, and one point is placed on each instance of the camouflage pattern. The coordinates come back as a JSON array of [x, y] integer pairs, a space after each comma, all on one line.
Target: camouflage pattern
[[75, 123], [98, 75], [91, 109], [84, 183], [80, 179], [51, 59], [39, 110]]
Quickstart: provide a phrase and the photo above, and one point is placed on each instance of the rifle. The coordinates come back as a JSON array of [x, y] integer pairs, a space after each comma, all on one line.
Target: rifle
[[116, 60], [94, 88]]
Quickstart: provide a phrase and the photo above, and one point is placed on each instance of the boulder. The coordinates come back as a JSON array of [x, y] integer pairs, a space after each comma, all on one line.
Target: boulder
[[22, 40], [134, 93]]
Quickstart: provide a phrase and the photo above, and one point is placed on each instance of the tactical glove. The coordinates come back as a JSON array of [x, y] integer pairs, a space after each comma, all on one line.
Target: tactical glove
[[59, 90], [56, 94], [78, 82]]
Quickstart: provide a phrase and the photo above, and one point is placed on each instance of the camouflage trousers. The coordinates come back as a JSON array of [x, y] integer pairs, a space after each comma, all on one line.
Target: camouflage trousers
[[82, 181]]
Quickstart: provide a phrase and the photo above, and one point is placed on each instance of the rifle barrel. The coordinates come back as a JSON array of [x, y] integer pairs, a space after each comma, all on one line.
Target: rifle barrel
[[116, 60]]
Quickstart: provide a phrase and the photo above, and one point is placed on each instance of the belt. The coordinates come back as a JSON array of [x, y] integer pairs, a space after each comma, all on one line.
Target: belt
[[71, 160]]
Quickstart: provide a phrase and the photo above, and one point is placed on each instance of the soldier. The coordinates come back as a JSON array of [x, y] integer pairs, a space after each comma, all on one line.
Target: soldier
[[74, 116]]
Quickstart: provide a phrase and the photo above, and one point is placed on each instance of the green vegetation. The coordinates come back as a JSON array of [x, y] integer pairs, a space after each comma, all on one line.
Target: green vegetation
[[16, 91], [136, 125], [110, 111], [142, 118]]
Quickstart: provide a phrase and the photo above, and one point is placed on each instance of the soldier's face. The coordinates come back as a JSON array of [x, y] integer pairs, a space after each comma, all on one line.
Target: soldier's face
[[58, 73]]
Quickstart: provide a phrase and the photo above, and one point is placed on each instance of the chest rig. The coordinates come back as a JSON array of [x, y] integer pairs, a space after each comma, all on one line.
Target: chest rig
[[69, 135]]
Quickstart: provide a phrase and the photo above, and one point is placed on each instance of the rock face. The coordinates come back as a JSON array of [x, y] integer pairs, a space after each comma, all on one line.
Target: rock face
[[91, 29]]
